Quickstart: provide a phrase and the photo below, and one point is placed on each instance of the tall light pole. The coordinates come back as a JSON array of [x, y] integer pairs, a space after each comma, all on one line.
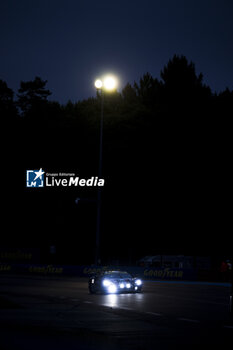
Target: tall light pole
[[99, 85], [231, 293], [109, 83]]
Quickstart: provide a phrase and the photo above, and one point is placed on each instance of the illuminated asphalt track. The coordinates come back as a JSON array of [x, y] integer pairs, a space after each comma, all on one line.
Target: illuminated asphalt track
[[59, 313]]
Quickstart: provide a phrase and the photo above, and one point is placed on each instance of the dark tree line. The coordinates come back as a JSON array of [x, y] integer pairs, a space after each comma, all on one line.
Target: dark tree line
[[165, 150], [178, 106], [180, 90]]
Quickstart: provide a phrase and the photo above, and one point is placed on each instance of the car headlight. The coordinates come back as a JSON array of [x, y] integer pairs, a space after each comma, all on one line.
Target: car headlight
[[122, 285], [128, 285], [138, 282], [106, 283], [112, 288]]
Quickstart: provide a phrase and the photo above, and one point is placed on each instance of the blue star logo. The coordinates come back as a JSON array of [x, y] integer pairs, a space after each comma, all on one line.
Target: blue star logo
[[35, 178]]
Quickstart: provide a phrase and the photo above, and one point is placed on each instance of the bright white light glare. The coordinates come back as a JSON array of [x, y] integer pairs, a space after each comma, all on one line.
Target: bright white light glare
[[106, 283], [122, 285], [98, 84], [112, 288], [128, 285], [138, 282], [110, 83], [136, 288]]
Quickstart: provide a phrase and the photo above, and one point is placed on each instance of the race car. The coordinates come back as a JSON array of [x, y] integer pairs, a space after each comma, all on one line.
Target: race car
[[114, 282]]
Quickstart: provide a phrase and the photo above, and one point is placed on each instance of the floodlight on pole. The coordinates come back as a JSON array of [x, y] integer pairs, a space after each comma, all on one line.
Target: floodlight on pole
[[98, 84], [108, 83]]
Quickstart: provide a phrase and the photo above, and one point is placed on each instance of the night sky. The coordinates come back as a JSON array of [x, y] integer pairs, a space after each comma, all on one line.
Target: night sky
[[71, 42]]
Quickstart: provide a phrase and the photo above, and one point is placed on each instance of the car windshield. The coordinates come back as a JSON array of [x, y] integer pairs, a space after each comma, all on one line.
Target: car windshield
[[117, 274]]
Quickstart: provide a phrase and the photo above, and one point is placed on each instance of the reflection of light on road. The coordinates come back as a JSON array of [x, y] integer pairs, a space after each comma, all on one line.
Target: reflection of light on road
[[122, 300], [111, 300], [138, 296]]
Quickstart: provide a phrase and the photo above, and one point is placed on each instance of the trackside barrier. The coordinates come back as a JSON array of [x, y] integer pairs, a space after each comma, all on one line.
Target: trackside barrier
[[88, 270]]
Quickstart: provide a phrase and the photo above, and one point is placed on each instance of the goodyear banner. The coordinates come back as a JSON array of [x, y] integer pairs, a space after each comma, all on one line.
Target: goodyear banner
[[88, 270], [170, 274], [19, 255]]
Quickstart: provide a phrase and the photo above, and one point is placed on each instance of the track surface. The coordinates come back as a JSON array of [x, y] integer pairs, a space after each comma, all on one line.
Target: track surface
[[60, 313]]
